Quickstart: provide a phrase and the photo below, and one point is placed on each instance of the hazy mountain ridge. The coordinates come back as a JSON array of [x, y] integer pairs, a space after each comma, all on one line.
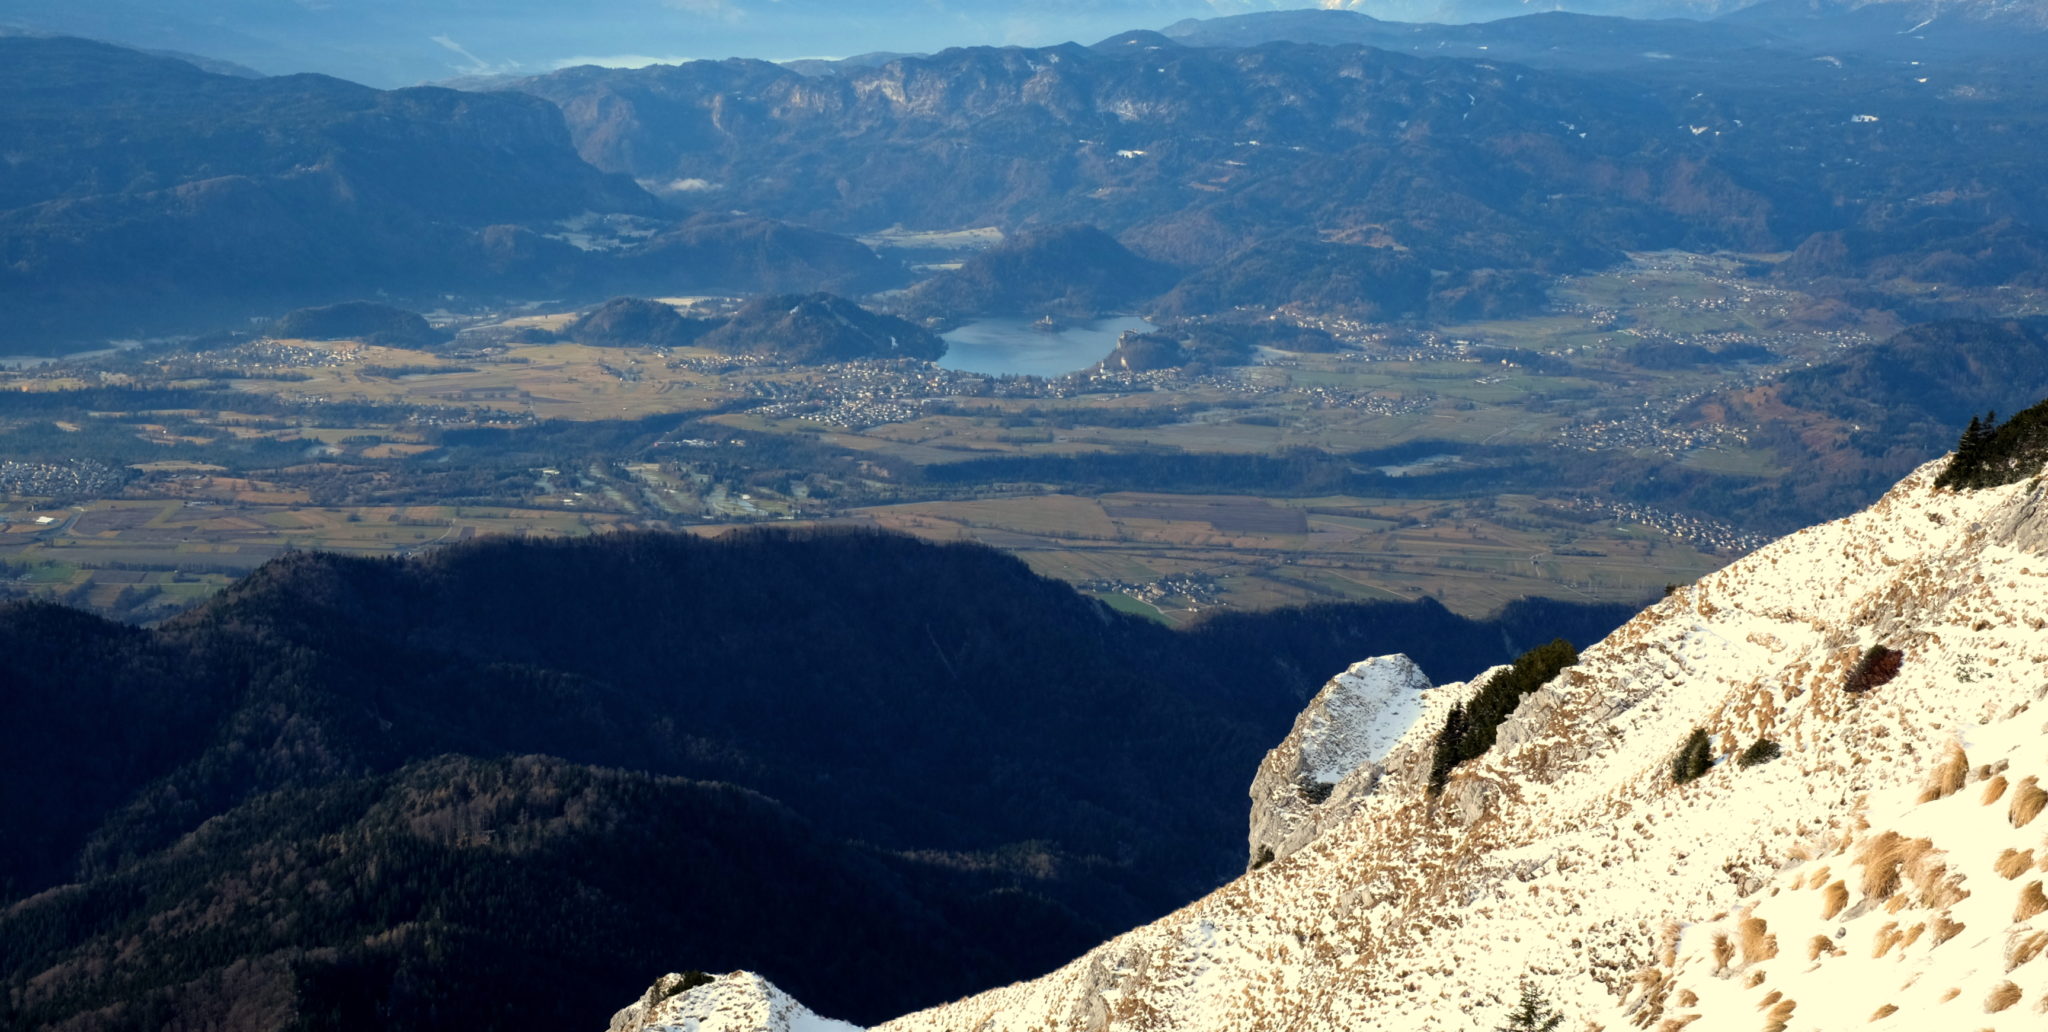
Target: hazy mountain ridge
[[148, 196], [1338, 177], [1570, 858]]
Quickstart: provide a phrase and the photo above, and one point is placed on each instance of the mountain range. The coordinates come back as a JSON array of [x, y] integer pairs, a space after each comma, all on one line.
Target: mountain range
[[1448, 182], [1339, 177]]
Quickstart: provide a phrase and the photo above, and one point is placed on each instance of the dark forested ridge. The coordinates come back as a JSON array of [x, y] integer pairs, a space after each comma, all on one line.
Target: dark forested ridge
[[502, 777]]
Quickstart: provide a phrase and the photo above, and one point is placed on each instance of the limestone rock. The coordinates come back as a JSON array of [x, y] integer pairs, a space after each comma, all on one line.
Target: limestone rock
[[1335, 753]]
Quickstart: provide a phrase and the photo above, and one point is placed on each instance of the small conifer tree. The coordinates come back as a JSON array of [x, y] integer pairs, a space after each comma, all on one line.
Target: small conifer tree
[[1532, 1014], [1694, 758], [1763, 751]]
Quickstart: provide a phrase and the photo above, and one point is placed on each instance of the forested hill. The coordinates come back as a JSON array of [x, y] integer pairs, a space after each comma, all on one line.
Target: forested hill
[[307, 786]]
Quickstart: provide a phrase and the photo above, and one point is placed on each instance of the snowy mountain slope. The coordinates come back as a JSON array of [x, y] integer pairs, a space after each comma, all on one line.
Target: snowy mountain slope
[[1569, 858], [1579, 848]]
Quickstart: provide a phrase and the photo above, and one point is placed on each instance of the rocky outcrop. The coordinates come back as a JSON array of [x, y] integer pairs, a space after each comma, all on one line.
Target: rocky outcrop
[[738, 1002], [1333, 754]]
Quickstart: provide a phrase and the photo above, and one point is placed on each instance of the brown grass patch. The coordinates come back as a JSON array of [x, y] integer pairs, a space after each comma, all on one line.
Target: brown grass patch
[[1885, 1011], [1993, 789], [1688, 998], [1757, 943], [1833, 900], [1820, 944], [1775, 996], [1950, 995], [1912, 936], [2032, 901], [2012, 863], [1948, 776], [1886, 938], [2027, 801], [2002, 997]]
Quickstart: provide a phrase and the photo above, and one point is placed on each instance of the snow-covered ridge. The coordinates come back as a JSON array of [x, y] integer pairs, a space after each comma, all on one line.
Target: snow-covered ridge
[[1569, 858]]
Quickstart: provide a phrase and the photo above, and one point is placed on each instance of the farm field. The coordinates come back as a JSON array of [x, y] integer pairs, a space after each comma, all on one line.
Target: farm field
[[1184, 555]]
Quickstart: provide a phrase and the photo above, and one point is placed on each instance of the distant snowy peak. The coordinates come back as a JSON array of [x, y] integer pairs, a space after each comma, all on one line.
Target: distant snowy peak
[[738, 1002], [1333, 754]]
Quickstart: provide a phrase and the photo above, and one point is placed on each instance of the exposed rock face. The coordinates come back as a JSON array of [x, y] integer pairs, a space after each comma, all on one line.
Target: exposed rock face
[[1333, 754], [738, 1002]]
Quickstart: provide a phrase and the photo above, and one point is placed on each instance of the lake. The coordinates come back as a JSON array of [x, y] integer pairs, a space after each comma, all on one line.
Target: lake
[[1015, 346]]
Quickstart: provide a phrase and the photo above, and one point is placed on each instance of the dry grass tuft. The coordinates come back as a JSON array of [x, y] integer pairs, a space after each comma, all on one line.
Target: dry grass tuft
[[1833, 900], [1780, 1017], [1688, 998], [1946, 928], [1912, 936], [1820, 944], [1950, 995], [1940, 890], [1993, 789], [2032, 901], [1667, 943], [2024, 948], [1948, 776], [2012, 863], [2027, 801], [2002, 997], [1756, 978], [1883, 859], [1724, 951], [1775, 996], [1886, 938], [1885, 1011], [1757, 942]]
